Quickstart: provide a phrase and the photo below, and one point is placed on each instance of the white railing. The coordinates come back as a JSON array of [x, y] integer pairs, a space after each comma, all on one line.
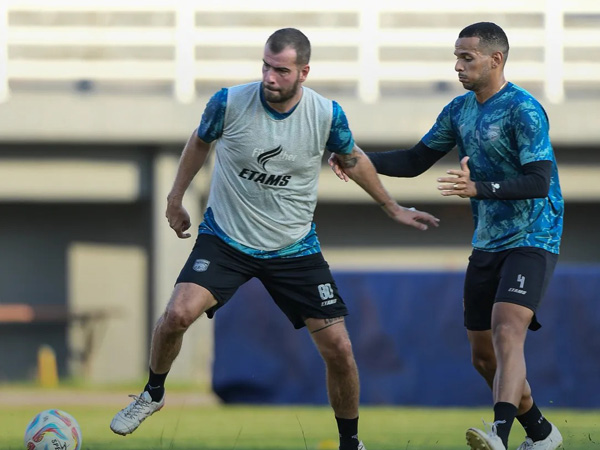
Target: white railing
[[366, 37]]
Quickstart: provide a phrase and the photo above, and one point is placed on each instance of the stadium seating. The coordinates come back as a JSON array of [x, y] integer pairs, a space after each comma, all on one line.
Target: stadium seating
[[370, 49]]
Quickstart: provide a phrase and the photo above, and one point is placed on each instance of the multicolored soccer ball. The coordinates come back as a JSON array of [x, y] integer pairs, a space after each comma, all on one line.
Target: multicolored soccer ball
[[53, 429]]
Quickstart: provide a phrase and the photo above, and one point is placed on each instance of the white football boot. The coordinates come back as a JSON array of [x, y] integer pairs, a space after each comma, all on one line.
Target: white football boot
[[552, 442], [129, 418], [484, 440]]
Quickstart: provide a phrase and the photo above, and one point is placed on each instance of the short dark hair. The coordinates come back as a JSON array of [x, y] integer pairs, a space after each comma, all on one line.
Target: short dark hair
[[490, 36], [291, 37]]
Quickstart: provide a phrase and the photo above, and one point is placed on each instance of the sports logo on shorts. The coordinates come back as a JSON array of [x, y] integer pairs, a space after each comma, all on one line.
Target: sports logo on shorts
[[201, 265]]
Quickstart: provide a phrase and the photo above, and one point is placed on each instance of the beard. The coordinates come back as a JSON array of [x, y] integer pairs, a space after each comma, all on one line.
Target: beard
[[480, 83], [281, 95]]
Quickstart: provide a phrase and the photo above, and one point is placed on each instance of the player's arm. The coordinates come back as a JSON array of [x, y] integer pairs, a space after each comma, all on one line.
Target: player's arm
[[533, 183], [191, 161], [359, 168], [411, 162], [405, 163]]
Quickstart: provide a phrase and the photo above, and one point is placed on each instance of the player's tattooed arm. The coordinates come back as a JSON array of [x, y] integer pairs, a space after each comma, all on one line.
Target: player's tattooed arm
[[360, 169], [348, 161]]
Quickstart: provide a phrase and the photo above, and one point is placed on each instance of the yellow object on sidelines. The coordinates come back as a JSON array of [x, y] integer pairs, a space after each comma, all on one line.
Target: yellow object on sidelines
[[47, 370], [327, 444]]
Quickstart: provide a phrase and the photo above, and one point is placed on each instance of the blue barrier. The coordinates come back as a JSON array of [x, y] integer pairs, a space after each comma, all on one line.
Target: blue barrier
[[409, 343]]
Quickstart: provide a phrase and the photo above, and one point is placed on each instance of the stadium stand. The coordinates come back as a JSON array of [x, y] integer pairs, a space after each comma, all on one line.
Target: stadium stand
[[370, 47]]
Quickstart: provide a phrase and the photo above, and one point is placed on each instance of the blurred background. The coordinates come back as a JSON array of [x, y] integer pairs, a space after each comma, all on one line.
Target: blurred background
[[97, 98]]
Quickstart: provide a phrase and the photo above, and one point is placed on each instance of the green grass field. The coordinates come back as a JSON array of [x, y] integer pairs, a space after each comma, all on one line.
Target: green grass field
[[217, 427]]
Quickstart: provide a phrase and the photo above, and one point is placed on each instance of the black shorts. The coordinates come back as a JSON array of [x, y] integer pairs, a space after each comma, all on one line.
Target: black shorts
[[518, 275], [302, 287]]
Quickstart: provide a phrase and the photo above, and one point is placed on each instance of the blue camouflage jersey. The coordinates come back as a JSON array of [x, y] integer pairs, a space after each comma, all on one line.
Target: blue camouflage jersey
[[507, 131], [212, 127]]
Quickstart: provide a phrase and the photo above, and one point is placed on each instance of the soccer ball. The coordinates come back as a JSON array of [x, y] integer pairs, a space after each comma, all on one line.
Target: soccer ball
[[53, 429]]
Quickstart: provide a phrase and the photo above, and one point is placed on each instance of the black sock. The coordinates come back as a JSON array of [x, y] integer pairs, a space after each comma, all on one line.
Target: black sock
[[156, 385], [536, 426], [348, 429], [505, 414]]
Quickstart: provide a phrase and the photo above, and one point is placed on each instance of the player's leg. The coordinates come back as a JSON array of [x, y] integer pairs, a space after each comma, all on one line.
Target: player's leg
[[188, 302], [481, 282], [332, 341], [305, 291], [211, 275], [524, 278], [484, 361], [509, 329]]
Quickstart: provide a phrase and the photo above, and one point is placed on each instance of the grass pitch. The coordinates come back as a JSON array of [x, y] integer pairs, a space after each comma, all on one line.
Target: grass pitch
[[215, 427]]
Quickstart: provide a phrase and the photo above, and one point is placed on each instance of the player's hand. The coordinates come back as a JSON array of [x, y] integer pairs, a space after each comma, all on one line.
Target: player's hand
[[337, 169], [459, 183], [179, 219], [412, 217]]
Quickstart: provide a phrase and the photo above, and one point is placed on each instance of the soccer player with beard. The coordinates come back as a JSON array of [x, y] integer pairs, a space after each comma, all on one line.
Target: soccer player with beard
[[509, 173], [269, 139]]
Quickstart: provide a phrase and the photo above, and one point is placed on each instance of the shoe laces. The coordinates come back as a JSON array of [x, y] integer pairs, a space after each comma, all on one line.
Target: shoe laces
[[136, 407], [491, 428]]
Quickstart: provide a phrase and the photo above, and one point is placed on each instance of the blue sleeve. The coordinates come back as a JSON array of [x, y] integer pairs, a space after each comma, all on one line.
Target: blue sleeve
[[442, 137], [213, 118], [532, 132], [340, 137]]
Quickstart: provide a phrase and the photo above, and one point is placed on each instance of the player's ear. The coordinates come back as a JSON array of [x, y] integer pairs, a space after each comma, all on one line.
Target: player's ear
[[497, 60], [304, 73]]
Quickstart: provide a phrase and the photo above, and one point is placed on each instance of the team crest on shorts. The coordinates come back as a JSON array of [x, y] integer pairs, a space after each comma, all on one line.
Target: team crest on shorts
[[201, 265]]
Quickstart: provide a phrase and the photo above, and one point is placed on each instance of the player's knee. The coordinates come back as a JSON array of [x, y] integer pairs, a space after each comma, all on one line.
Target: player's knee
[[339, 354], [484, 364], [504, 334], [177, 319]]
